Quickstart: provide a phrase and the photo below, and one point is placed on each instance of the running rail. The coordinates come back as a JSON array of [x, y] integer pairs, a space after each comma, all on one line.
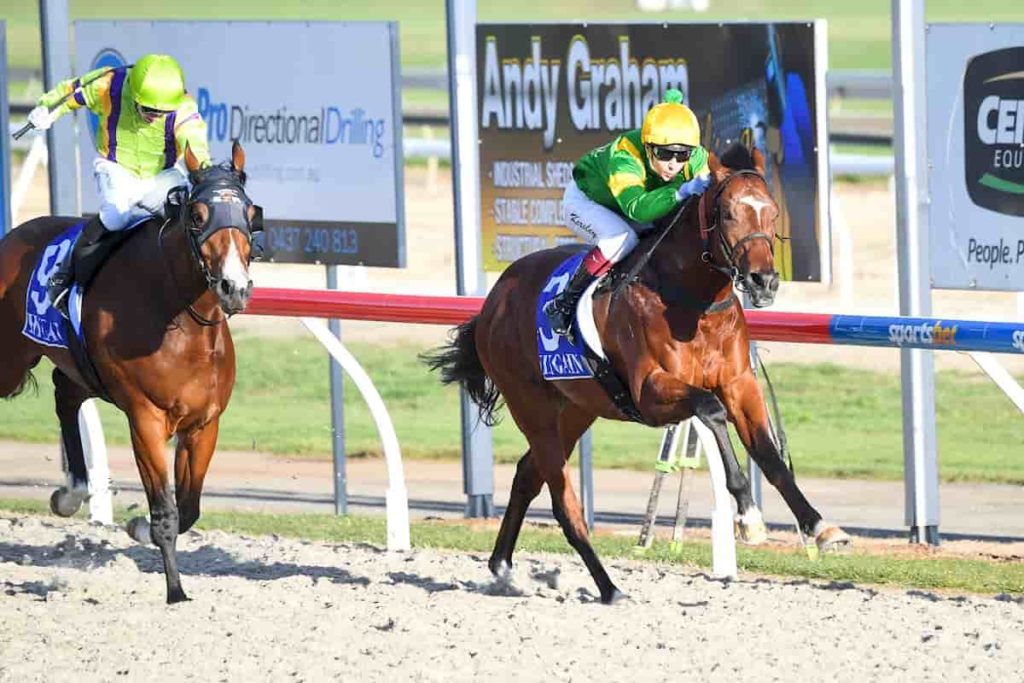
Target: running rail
[[805, 328]]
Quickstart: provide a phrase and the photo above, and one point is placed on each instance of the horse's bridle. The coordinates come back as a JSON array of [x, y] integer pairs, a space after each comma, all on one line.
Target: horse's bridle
[[221, 190], [732, 271]]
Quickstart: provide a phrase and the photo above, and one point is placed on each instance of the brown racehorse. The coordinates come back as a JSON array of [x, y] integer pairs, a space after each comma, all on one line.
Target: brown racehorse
[[160, 346], [675, 335]]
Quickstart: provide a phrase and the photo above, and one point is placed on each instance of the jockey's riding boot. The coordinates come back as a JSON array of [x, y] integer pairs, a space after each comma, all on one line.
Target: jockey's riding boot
[[562, 307], [60, 282]]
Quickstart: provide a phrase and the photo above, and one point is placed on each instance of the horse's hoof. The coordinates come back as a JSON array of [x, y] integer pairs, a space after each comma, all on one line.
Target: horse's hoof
[[177, 595], [138, 529], [751, 531], [65, 502], [613, 597], [832, 539], [501, 569]]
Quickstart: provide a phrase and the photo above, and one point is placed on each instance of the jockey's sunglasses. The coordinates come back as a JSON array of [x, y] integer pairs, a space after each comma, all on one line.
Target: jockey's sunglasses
[[148, 111], [667, 154]]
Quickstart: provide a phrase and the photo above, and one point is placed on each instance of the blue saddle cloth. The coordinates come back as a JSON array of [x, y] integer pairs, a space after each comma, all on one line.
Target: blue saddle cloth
[[43, 323], [560, 359]]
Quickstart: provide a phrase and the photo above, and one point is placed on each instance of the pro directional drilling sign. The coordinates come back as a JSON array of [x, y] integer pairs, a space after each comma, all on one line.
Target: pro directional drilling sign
[[976, 155]]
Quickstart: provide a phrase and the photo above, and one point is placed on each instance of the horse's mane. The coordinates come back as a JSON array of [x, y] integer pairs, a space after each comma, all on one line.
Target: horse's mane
[[737, 157]]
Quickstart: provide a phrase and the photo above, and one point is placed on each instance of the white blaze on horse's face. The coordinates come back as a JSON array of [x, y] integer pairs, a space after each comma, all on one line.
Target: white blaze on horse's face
[[235, 286], [758, 205]]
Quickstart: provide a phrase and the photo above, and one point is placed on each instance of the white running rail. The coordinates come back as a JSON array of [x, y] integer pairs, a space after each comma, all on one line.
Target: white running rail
[[396, 499], [723, 539]]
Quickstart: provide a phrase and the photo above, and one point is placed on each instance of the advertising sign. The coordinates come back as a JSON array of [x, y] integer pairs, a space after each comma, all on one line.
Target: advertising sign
[[316, 108], [975, 89], [549, 93]]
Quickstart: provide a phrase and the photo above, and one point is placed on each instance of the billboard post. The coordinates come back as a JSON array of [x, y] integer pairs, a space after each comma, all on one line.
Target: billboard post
[[5, 141], [917, 368]]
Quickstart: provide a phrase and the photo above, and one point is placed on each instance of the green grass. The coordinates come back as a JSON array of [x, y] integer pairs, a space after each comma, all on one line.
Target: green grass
[[840, 422], [929, 572]]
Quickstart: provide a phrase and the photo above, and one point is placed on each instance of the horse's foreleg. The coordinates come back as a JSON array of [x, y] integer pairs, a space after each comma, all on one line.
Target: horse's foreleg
[[191, 461], [745, 403], [149, 434], [709, 410], [68, 397], [669, 400]]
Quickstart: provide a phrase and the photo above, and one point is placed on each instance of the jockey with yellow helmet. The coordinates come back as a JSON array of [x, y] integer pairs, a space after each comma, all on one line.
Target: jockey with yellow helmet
[[145, 121], [623, 186]]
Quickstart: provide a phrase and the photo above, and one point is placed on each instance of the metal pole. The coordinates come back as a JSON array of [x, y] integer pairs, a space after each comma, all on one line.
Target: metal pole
[[753, 471], [337, 412], [920, 462], [5, 141], [477, 455], [54, 22], [587, 477]]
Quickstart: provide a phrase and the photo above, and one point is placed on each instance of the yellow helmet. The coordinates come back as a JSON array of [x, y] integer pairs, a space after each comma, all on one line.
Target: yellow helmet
[[671, 123]]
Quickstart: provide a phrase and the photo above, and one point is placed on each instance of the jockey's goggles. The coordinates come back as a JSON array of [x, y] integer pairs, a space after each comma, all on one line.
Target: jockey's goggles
[[149, 111], [669, 152]]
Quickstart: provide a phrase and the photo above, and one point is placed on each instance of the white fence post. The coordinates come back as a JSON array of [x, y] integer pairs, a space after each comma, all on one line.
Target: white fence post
[[101, 508], [723, 539], [397, 499]]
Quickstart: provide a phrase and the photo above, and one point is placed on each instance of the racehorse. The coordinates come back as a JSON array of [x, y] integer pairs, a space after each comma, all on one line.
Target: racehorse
[[161, 349], [676, 336]]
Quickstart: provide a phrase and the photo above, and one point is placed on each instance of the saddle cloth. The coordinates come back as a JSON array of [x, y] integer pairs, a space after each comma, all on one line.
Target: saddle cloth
[[43, 323], [560, 358]]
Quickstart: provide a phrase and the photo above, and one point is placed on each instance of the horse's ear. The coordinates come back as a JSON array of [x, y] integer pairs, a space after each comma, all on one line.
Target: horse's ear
[[237, 156], [719, 171], [191, 163], [758, 160]]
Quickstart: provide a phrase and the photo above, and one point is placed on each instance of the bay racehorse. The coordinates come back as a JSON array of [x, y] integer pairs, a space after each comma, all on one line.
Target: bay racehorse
[[674, 333], [154, 323]]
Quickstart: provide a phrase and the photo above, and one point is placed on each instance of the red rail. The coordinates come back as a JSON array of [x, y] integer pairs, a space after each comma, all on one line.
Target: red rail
[[808, 328]]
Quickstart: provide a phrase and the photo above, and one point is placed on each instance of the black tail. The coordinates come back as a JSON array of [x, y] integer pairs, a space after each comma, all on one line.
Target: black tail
[[459, 362]]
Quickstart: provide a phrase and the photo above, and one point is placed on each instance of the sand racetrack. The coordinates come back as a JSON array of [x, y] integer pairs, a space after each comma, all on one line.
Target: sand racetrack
[[81, 602]]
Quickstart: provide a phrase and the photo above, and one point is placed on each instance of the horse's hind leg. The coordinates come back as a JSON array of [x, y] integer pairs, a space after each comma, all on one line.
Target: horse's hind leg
[[572, 422], [191, 461], [149, 434], [69, 397]]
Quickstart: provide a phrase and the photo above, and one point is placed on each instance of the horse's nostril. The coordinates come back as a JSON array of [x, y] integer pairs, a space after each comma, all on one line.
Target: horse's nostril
[[225, 286]]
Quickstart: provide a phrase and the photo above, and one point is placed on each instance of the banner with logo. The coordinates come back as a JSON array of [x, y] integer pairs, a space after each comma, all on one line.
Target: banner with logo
[[975, 86], [316, 108], [546, 94]]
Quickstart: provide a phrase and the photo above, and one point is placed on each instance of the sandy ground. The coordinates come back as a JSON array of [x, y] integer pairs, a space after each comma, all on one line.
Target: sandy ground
[[85, 603]]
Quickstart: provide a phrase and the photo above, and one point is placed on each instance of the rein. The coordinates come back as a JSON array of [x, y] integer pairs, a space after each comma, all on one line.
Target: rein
[[680, 294]]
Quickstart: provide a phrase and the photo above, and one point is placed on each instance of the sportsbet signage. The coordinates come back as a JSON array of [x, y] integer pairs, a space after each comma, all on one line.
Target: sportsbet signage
[[548, 93], [316, 108], [976, 155]]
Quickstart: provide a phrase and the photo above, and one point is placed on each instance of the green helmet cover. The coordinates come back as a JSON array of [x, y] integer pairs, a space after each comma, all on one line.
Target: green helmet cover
[[157, 82]]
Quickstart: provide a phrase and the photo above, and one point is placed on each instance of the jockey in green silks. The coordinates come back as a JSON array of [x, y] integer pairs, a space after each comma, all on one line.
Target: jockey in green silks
[[146, 119], [621, 187]]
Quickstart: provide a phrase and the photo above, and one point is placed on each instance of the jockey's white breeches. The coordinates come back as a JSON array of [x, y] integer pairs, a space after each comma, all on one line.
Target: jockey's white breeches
[[125, 199], [595, 224]]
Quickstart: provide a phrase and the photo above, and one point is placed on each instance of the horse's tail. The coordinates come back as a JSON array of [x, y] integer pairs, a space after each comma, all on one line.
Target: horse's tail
[[459, 361]]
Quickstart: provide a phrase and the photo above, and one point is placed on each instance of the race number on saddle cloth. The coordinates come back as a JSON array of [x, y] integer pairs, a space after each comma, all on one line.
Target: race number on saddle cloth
[[565, 356], [43, 323]]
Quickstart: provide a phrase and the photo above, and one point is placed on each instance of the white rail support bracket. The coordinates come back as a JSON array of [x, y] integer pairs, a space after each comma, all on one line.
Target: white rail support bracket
[[723, 539], [101, 507], [396, 497], [1003, 379]]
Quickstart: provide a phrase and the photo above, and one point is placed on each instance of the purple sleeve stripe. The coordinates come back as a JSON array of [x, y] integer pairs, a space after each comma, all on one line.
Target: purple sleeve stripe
[[170, 151], [76, 88], [115, 113]]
